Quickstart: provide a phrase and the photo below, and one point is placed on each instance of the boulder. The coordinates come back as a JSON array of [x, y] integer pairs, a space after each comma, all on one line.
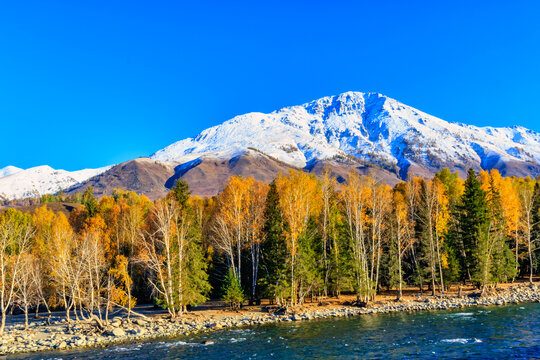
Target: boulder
[[118, 332], [116, 323], [140, 322]]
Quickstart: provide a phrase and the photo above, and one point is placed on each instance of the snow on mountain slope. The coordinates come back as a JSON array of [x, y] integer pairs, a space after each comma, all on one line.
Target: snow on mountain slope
[[369, 126], [9, 170], [40, 180]]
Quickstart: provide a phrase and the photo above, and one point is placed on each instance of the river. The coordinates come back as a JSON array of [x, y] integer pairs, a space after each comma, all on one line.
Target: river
[[509, 332]]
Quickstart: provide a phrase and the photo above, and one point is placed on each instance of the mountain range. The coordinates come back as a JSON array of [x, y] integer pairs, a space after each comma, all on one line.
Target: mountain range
[[365, 132]]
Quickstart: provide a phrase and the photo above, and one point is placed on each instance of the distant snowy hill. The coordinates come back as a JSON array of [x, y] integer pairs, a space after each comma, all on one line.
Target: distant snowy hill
[[9, 170], [365, 132], [41, 180], [371, 127]]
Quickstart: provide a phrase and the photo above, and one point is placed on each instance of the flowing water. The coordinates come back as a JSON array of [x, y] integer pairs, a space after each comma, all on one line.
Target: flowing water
[[509, 332]]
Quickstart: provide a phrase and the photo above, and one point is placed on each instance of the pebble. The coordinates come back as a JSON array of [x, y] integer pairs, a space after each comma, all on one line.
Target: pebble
[[60, 336]]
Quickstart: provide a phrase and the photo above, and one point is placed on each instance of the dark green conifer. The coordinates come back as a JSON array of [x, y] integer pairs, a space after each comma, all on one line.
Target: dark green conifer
[[473, 218], [273, 249], [232, 290], [89, 201]]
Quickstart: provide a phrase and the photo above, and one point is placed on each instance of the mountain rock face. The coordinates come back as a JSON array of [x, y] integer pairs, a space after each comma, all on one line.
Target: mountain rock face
[[143, 176], [41, 180], [207, 176], [365, 132]]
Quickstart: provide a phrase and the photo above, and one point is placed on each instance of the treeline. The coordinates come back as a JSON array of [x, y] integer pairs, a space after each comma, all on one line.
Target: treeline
[[60, 197], [296, 238]]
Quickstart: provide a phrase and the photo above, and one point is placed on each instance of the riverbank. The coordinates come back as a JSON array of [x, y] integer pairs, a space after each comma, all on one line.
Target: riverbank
[[62, 335]]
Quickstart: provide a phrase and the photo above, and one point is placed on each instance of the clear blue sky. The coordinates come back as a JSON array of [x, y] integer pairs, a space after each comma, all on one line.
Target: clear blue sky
[[91, 83]]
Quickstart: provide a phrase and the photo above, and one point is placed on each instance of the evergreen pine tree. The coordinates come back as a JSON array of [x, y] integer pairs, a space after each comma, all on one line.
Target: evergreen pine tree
[[193, 286], [181, 192], [232, 290], [391, 269], [451, 248], [274, 269], [339, 259], [451, 268], [500, 257], [90, 202], [472, 222], [536, 224], [309, 265]]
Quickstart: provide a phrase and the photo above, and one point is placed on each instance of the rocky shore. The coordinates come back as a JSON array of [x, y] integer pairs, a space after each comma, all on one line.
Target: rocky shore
[[62, 335]]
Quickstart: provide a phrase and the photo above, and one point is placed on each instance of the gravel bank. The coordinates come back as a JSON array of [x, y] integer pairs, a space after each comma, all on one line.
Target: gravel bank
[[62, 335]]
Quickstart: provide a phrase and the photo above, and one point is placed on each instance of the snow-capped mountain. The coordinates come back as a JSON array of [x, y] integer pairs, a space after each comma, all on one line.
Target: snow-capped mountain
[[368, 126], [9, 170], [365, 132], [41, 180]]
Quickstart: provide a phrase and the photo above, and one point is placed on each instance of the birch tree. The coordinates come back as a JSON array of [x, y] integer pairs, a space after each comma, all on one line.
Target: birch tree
[[299, 197], [16, 232], [381, 201], [356, 197], [27, 290], [402, 235], [433, 219], [527, 193], [254, 223], [157, 252], [328, 185], [172, 252], [230, 228], [60, 253]]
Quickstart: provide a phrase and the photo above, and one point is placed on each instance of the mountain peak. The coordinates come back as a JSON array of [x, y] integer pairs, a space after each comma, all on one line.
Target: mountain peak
[[40, 180], [9, 170], [365, 132], [370, 126]]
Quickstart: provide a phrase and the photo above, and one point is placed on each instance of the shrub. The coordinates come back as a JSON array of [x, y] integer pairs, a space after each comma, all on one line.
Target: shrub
[[232, 291]]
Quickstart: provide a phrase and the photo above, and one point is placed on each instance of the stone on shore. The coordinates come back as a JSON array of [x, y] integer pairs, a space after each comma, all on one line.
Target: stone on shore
[[140, 322], [60, 335], [117, 332]]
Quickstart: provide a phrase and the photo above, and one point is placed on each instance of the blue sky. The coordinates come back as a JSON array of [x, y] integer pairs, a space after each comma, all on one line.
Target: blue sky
[[91, 83]]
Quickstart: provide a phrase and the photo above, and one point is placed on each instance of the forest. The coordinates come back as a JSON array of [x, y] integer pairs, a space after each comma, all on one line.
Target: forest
[[297, 238]]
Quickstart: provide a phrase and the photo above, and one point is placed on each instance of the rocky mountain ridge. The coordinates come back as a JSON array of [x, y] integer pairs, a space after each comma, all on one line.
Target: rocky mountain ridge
[[366, 132]]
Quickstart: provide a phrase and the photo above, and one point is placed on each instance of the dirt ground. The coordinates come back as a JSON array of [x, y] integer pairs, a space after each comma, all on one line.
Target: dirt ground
[[218, 309]]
